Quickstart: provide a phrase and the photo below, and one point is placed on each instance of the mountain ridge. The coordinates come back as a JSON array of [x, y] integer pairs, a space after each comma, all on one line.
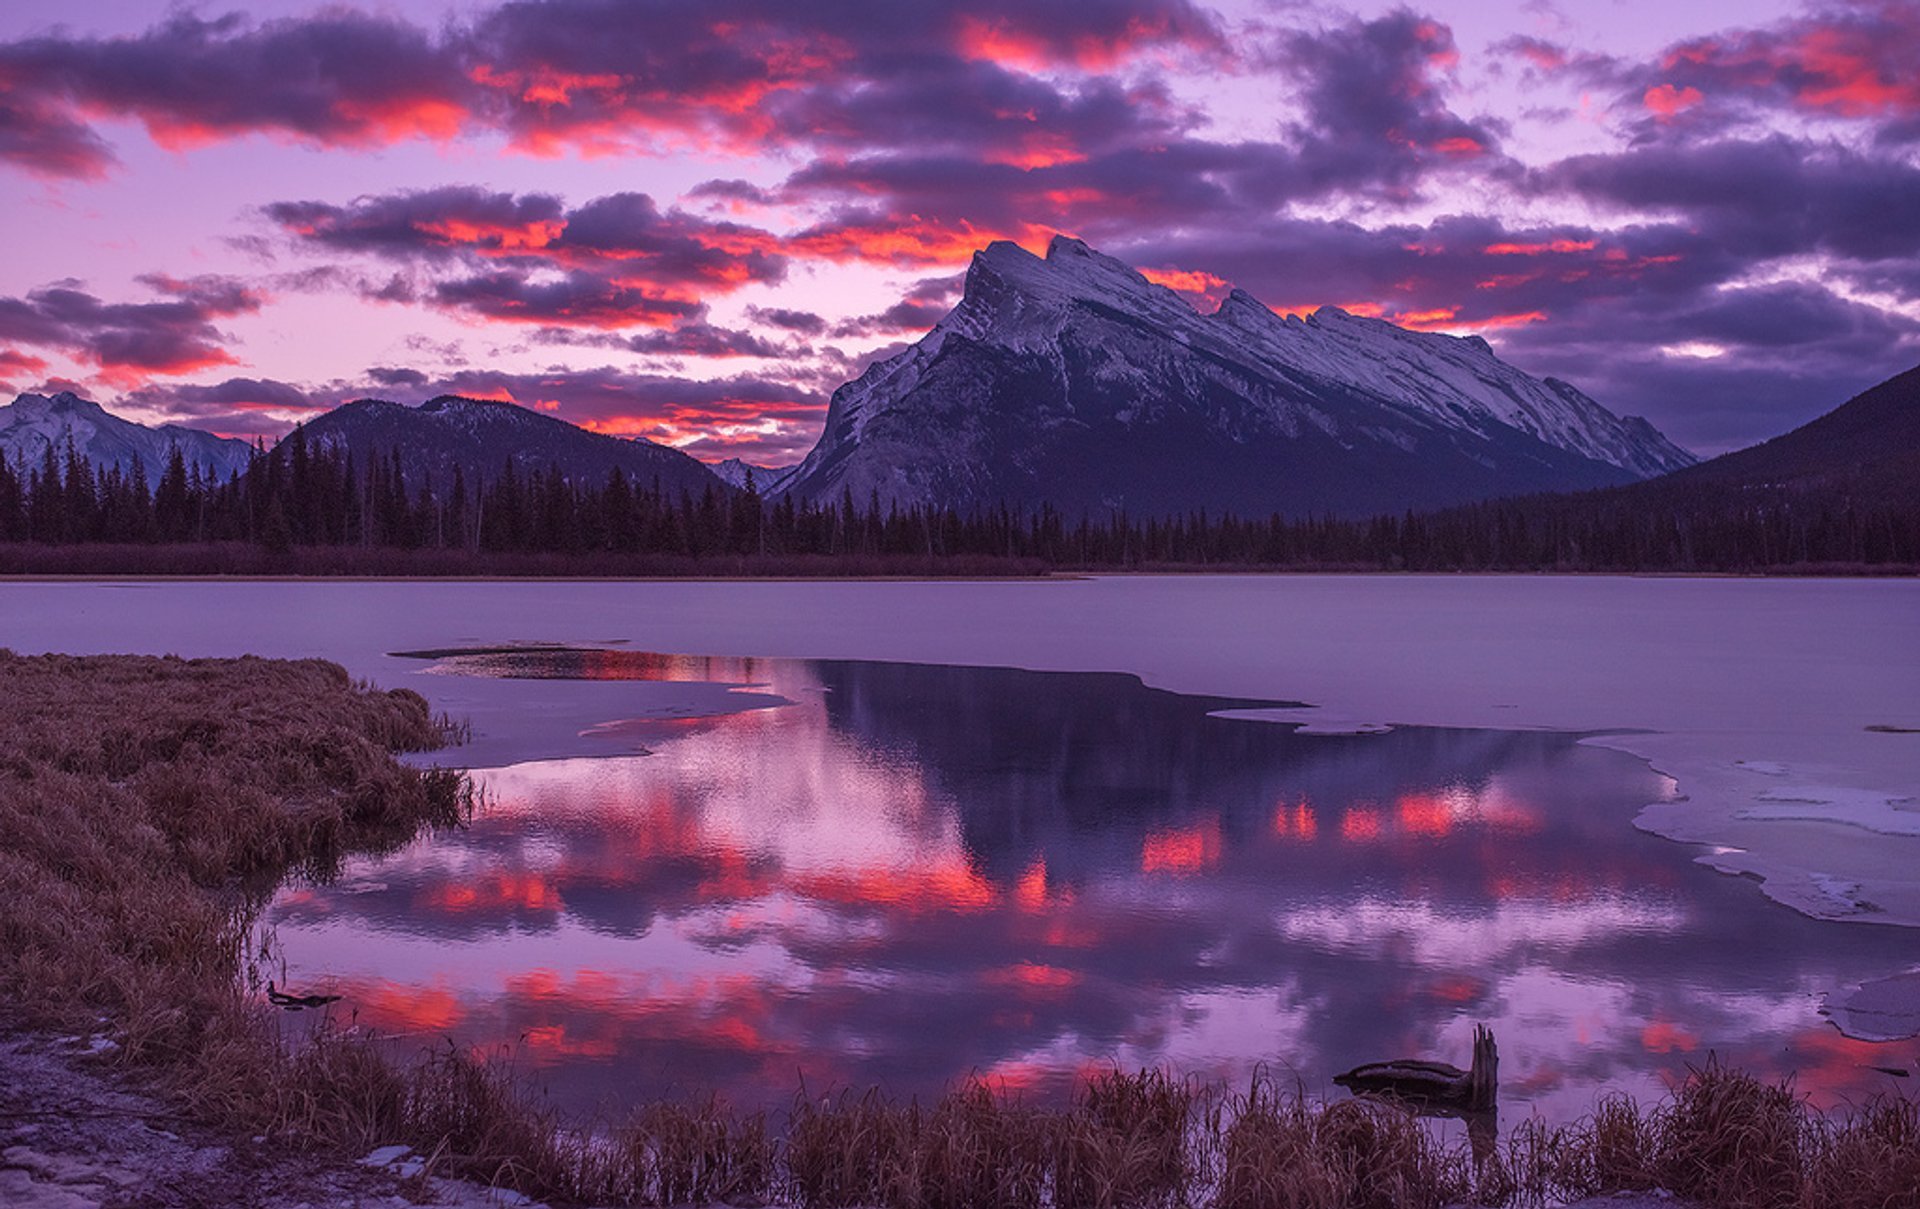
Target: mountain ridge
[[1073, 380], [34, 423], [482, 436]]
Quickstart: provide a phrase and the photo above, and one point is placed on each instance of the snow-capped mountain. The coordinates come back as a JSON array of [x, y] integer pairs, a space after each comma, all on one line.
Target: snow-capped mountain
[[767, 480], [1072, 380], [32, 424], [482, 436]]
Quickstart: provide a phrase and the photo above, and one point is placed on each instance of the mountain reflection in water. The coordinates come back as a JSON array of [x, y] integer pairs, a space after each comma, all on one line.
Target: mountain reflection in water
[[911, 873]]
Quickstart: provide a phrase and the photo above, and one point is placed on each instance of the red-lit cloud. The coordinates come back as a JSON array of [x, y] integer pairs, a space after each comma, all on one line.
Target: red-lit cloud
[[130, 342], [1846, 60], [562, 77], [615, 262], [336, 78]]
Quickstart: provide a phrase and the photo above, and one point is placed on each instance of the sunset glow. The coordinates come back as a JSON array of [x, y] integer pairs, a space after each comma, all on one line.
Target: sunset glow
[[650, 208]]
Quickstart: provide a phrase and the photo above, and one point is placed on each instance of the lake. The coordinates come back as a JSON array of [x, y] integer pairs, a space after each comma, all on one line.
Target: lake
[[700, 868]]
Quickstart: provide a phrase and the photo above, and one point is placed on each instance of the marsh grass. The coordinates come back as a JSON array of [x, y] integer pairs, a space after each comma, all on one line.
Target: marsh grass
[[147, 804]]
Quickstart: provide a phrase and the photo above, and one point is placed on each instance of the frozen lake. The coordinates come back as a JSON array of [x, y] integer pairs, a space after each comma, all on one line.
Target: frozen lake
[[904, 871]]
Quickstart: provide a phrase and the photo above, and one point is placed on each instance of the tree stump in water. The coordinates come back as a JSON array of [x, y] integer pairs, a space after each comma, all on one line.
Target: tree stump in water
[[1435, 1084]]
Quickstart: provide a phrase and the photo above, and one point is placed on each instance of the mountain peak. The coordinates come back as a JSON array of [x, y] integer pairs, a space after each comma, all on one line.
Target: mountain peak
[[1066, 247], [1072, 379], [33, 424], [443, 403]]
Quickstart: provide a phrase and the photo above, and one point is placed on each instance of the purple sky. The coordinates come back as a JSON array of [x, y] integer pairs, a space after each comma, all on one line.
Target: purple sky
[[690, 219]]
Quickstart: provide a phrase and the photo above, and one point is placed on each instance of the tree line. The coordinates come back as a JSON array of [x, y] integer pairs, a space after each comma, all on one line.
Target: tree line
[[301, 496]]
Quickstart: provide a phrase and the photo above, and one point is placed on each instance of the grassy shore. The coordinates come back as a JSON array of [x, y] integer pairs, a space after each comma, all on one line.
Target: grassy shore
[[147, 805]]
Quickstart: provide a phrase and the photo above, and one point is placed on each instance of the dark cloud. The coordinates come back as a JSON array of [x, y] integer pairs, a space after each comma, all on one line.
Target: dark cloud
[[249, 407], [575, 298], [396, 376], [571, 75], [1377, 118], [444, 222], [48, 142], [617, 261], [806, 323], [1763, 198], [1848, 60], [601, 73], [130, 341], [337, 77], [921, 307], [1108, 162]]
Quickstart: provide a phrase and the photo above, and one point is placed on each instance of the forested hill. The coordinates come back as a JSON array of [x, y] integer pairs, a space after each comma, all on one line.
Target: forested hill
[[1837, 495], [1866, 449]]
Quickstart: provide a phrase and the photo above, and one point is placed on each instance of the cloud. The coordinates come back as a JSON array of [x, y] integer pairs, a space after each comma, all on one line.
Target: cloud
[[131, 341], [575, 298], [242, 407], [334, 78], [1760, 198], [1377, 118], [429, 223], [806, 323], [1849, 60], [616, 261], [564, 76], [920, 308], [49, 143]]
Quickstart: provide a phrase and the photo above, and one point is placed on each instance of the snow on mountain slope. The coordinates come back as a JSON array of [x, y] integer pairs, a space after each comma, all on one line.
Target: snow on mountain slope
[[1075, 381], [32, 424], [767, 480]]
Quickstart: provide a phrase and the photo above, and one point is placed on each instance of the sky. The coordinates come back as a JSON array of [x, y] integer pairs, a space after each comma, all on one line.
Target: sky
[[690, 220]]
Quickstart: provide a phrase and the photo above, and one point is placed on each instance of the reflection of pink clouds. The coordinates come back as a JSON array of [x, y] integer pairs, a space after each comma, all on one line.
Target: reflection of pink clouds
[[1296, 822], [1666, 1037], [493, 891], [782, 891], [403, 1008], [1032, 976], [1182, 849]]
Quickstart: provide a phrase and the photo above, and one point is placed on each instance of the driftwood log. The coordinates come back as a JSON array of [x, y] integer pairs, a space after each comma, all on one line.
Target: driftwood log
[[1434, 1084]]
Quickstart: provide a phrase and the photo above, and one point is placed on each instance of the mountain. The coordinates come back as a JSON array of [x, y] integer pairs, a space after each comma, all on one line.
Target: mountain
[[767, 480], [481, 436], [33, 423], [1867, 449], [1072, 380]]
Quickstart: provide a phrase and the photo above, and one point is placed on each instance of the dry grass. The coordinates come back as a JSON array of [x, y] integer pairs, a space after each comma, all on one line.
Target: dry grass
[[149, 803]]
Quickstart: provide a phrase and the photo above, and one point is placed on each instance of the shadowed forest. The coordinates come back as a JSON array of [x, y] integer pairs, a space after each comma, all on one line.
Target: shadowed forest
[[307, 510]]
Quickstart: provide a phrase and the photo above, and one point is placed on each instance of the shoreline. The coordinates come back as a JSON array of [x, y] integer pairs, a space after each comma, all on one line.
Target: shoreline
[[283, 1100]]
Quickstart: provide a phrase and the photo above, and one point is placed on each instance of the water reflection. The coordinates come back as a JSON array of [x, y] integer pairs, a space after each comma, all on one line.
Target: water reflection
[[909, 873]]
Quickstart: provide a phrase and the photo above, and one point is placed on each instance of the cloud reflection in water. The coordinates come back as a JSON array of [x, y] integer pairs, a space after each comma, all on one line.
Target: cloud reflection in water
[[915, 872]]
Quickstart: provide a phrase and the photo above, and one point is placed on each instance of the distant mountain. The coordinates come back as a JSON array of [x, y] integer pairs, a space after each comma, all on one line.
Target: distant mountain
[[767, 480], [1075, 381], [1868, 449], [32, 424], [481, 436]]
